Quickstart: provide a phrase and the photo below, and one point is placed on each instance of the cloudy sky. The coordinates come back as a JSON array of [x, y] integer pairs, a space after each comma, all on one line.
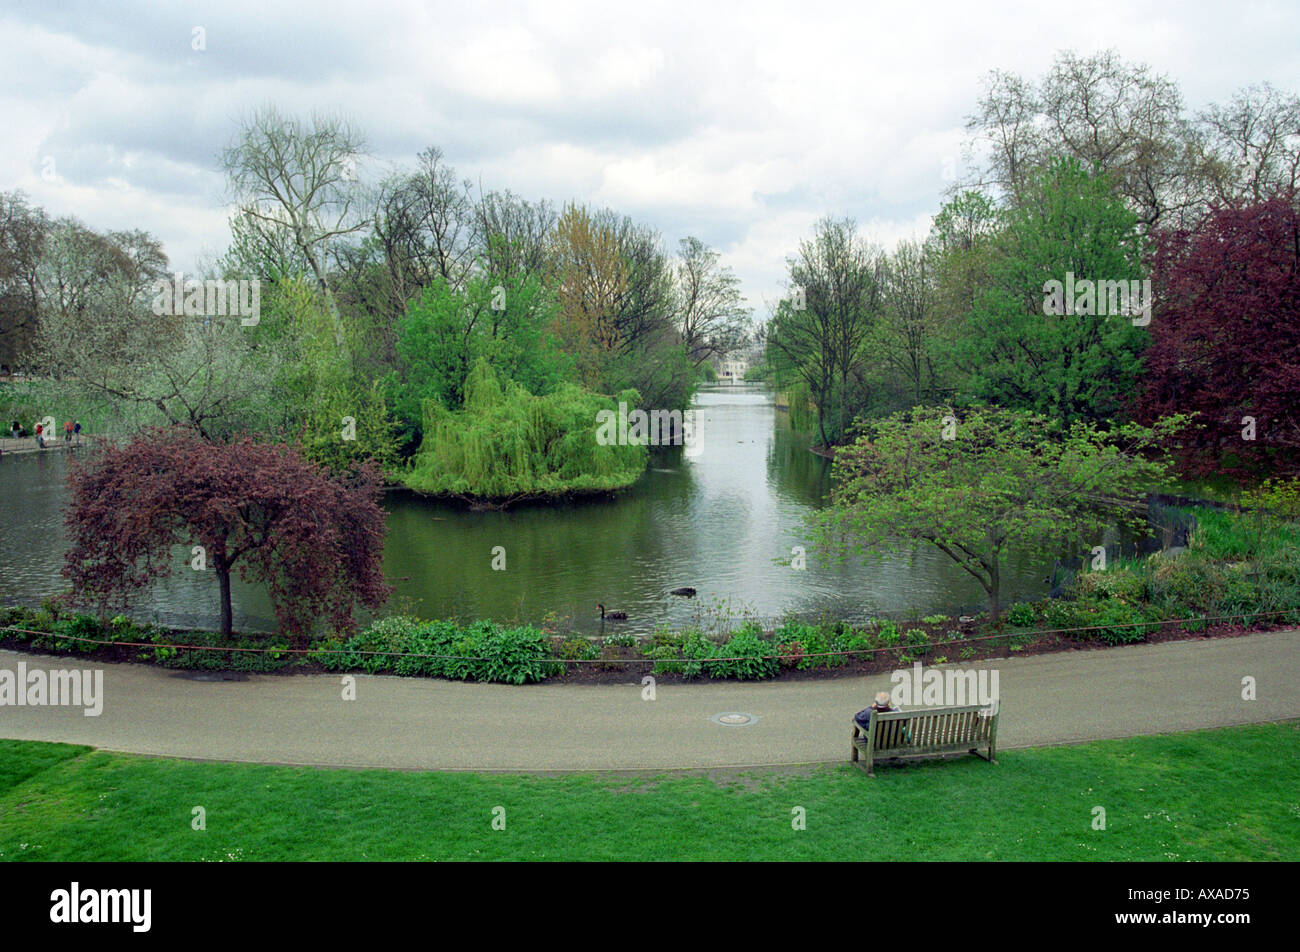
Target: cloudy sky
[[741, 124]]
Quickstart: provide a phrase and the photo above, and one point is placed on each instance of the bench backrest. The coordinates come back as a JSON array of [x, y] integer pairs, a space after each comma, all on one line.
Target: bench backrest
[[932, 727]]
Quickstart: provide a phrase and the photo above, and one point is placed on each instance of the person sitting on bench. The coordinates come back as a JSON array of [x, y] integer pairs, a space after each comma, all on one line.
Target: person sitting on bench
[[881, 704]]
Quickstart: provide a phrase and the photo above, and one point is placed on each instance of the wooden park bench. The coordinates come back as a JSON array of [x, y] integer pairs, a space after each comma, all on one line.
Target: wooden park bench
[[925, 732]]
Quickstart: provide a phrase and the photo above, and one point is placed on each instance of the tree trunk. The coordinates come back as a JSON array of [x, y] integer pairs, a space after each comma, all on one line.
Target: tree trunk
[[223, 576], [844, 386], [995, 592]]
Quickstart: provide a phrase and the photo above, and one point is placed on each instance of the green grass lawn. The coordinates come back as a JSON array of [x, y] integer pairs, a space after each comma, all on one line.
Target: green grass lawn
[[1230, 794]]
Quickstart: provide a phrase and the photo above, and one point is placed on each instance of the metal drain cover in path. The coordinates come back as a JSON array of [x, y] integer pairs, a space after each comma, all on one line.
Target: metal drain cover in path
[[733, 719]]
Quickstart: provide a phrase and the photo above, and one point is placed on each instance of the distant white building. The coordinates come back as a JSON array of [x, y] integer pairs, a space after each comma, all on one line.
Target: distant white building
[[732, 369]]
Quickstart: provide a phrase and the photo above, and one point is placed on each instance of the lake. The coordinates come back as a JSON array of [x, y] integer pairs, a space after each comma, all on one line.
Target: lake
[[722, 520]]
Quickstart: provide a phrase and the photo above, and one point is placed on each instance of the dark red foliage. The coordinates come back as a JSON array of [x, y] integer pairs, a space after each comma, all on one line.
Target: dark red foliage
[[1226, 340], [314, 539]]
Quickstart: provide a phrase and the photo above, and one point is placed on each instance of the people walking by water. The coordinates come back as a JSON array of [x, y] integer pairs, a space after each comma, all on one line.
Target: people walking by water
[[67, 432], [40, 438], [76, 433]]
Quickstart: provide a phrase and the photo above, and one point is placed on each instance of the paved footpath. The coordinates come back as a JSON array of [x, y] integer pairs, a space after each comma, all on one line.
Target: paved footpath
[[424, 724]]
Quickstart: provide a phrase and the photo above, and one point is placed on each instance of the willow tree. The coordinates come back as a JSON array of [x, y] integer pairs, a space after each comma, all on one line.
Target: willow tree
[[977, 486], [508, 444]]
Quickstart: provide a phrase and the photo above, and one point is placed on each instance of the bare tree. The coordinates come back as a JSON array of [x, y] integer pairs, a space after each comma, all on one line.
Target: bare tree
[[299, 176], [23, 230], [1129, 121], [841, 276], [1008, 121], [821, 331], [642, 304], [1103, 111], [799, 341], [908, 318], [1253, 145], [428, 227], [103, 344], [514, 234], [711, 315]]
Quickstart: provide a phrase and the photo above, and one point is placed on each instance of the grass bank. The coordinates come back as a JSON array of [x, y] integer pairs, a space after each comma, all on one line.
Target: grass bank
[[1226, 794]]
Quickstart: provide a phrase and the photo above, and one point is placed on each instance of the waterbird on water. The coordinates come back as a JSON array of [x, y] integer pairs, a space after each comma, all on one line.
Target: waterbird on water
[[611, 616]]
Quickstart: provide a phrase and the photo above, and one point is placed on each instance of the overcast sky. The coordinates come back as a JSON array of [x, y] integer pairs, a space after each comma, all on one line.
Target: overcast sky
[[741, 124]]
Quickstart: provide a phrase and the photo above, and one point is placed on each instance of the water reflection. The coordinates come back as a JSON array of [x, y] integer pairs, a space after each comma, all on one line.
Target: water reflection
[[721, 520]]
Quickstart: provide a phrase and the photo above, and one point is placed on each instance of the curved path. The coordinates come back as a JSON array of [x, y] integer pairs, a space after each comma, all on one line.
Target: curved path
[[421, 724]]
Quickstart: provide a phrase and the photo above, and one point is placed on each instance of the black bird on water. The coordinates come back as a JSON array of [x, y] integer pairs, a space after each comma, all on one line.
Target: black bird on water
[[611, 616], [684, 590]]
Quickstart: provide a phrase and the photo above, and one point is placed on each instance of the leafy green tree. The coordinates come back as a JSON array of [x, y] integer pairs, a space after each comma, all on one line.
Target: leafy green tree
[[332, 415], [1070, 366], [505, 321], [1005, 478]]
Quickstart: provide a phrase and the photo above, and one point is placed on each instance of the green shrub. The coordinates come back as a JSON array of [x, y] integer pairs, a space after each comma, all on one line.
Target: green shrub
[[663, 635], [515, 656], [484, 651], [1124, 581], [918, 639], [697, 647], [578, 649], [273, 659], [743, 657], [854, 639], [373, 650], [888, 634], [1119, 623], [76, 627], [804, 642], [1063, 613], [666, 659], [121, 628], [330, 653], [428, 644], [162, 654], [1022, 615]]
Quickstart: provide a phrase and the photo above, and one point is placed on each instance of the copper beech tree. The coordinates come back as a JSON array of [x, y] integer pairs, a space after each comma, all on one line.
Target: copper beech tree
[[314, 539], [1225, 342]]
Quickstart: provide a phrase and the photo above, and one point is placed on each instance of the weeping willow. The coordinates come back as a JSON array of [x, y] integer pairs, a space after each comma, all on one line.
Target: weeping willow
[[507, 442], [803, 412]]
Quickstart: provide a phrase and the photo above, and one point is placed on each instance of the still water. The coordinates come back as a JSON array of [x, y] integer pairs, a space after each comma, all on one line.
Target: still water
[[722, 521]]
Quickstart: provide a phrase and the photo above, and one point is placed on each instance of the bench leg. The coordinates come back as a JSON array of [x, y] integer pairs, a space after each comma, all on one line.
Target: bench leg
[[985, 756]]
